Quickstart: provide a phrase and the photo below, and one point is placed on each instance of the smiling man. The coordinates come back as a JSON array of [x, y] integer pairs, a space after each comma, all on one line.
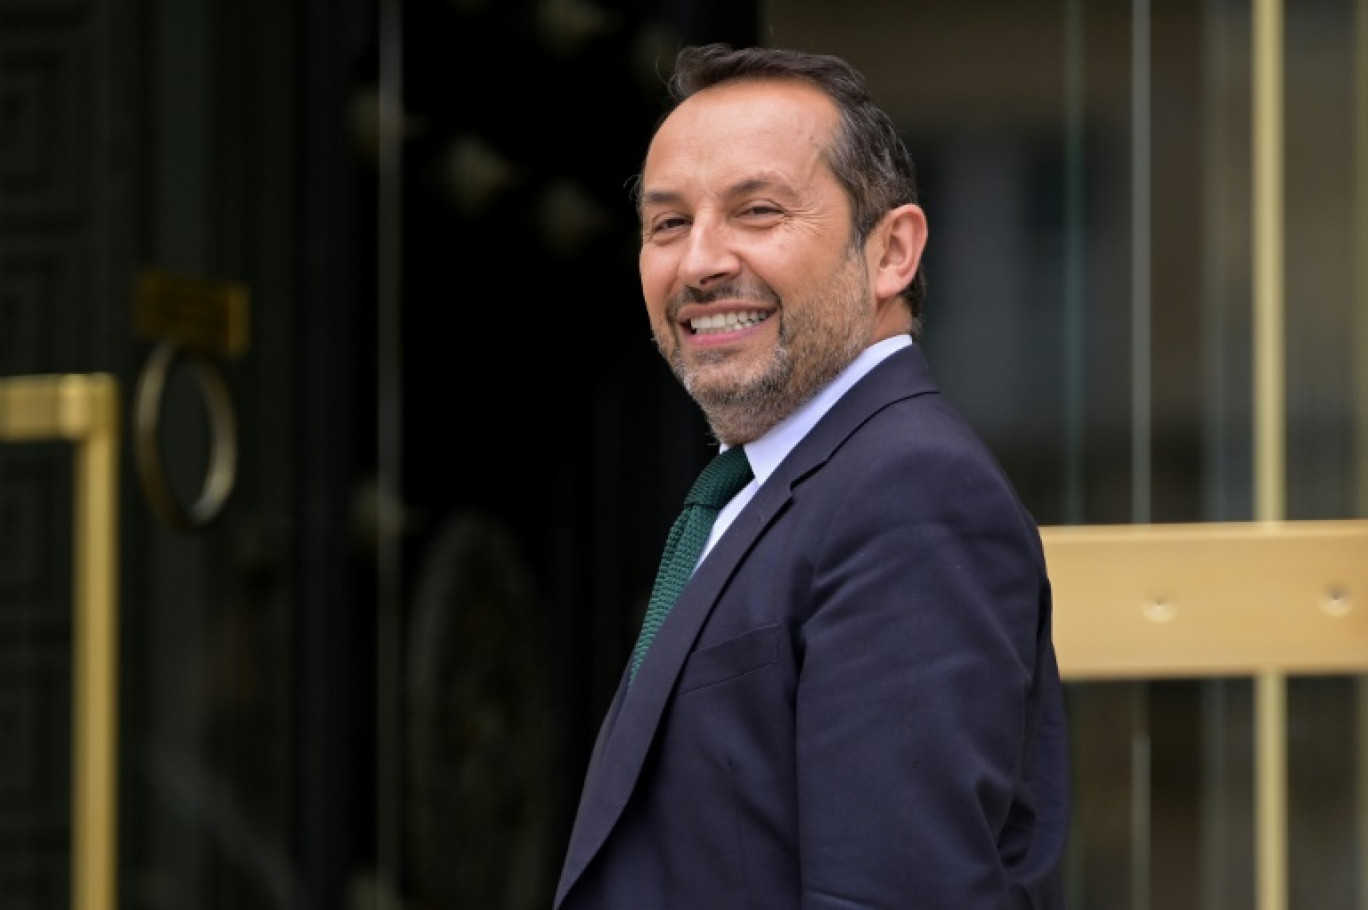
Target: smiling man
[[854, 701]]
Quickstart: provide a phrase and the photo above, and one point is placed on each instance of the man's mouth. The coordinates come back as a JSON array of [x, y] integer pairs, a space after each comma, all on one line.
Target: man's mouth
[[717, 323]]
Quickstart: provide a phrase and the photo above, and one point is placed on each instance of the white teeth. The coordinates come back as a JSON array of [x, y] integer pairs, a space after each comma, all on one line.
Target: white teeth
[[726, 322]]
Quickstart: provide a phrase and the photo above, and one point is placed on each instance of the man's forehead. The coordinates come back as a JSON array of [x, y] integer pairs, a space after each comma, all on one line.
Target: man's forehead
[[743, 131], [762, 104]]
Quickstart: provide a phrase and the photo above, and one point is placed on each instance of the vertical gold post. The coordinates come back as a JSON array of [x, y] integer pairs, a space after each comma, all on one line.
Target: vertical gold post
[[1362, 742], [1269, 431], [95, 682], [1268, 261], [84, 410], [1271, 799], [1360, 411]]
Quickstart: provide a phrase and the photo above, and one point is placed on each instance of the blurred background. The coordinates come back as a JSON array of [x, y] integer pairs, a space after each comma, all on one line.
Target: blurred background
[[394, 455]]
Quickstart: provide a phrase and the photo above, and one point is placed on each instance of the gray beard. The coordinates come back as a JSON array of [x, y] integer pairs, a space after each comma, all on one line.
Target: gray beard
[[739, 413], [810, 353]]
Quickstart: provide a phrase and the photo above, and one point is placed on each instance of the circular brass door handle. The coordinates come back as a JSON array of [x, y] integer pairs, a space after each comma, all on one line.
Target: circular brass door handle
[[147, 405]]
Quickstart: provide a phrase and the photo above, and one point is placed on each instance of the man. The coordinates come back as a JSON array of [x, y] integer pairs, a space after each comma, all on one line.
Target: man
[[854, 702]]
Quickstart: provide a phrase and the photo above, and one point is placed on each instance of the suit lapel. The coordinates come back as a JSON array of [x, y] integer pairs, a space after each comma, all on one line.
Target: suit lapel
[[632, 720], [626, 735]]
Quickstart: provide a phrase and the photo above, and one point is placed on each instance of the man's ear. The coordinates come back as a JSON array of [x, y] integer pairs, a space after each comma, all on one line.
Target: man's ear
[[900, 239]]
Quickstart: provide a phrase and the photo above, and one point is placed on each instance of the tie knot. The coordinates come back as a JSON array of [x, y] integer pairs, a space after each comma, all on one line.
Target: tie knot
[[727, 473]]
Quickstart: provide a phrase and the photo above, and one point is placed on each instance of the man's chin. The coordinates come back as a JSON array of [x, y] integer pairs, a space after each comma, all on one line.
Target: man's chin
[[715, 386]]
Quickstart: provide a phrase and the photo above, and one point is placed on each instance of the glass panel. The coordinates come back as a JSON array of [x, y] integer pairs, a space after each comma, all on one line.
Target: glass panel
[[1325, 245]]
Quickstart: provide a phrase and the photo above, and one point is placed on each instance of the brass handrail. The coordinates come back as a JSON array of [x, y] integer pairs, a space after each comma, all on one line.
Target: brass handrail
[[1261, 599], [1209, 599], [84, 409]]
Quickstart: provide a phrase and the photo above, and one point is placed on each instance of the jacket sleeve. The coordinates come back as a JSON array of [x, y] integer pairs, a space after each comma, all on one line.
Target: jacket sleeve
[[925, 658]]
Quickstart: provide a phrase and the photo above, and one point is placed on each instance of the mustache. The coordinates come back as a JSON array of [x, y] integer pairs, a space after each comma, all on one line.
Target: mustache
[[731, 290]]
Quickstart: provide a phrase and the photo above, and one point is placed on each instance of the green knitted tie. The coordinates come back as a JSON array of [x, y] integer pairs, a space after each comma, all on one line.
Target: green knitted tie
[[724, 476]]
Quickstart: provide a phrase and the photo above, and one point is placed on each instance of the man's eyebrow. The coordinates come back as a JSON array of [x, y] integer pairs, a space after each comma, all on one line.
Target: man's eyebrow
[[659, 197], [755, 185], [739, 188]]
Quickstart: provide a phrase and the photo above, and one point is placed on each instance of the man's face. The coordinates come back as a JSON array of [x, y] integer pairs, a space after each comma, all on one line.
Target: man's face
[[756, 292]]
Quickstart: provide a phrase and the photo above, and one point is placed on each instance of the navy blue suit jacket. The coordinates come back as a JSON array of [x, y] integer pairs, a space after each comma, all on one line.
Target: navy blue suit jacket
[[855, 701]]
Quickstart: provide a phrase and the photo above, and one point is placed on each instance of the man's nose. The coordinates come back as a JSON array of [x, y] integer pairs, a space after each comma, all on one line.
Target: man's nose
[[708, 255]]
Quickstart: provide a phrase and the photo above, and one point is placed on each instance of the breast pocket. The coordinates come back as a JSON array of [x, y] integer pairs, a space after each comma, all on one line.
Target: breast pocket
[[732, 658]]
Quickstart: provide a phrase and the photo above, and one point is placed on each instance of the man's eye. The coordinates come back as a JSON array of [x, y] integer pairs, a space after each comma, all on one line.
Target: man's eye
[[760, 208], [667, 224]]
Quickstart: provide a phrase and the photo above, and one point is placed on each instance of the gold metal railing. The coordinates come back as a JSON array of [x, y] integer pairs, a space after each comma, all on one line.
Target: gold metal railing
[[1210, 599], [84, 410], [1264, 600]]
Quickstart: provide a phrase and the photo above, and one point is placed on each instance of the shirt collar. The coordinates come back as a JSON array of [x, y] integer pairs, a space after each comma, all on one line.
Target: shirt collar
[[769, 450]]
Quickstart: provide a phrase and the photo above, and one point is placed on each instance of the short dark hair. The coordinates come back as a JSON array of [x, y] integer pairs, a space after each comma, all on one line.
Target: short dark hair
[[867, 155]]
